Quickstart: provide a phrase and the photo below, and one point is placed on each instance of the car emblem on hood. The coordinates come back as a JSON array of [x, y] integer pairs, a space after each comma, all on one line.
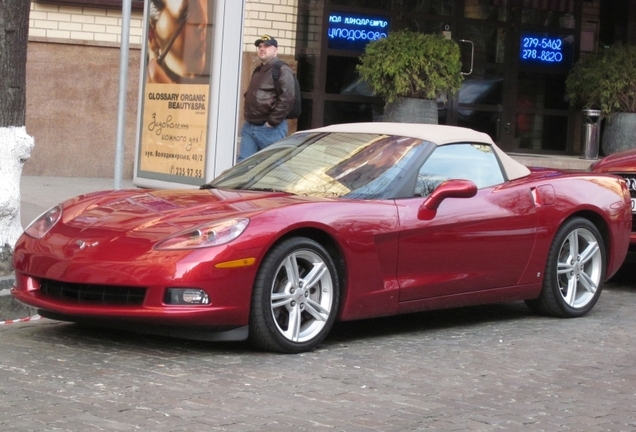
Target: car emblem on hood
[[82, 244]]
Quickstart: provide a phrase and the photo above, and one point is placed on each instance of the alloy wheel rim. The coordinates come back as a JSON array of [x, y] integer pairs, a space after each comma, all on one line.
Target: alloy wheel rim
[[579, 268], [302, 296]]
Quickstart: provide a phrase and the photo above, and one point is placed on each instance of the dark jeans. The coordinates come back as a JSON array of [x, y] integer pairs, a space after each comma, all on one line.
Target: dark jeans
[[255, 138]]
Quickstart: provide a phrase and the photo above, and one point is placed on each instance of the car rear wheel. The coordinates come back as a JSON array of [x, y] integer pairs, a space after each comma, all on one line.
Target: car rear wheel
[[295, 298], [575, 271]]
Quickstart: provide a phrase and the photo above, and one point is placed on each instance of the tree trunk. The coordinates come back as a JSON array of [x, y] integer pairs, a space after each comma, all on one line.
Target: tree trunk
[[14, 32], [15, 144]]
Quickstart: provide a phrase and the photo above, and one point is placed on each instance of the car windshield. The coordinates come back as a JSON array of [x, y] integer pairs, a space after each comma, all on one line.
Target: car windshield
[[351, 165]]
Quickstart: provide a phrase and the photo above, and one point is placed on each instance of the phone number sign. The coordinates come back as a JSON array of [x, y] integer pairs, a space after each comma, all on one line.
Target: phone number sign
[[546, 50]]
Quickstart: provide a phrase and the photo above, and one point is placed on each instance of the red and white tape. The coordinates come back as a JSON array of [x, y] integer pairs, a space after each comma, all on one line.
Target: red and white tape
[[31, 318]]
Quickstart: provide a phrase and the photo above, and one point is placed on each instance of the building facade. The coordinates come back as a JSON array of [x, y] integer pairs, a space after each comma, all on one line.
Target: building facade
[[73, 79], [73, 68]]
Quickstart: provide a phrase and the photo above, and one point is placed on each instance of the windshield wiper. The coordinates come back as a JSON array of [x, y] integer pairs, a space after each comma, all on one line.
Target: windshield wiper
[[207, 186], [267, 190]]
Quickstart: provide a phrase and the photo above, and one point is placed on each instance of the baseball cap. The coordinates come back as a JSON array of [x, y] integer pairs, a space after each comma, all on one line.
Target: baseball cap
[[267, 40]]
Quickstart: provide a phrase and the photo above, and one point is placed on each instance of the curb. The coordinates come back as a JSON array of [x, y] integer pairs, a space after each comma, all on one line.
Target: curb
[[10, 309]]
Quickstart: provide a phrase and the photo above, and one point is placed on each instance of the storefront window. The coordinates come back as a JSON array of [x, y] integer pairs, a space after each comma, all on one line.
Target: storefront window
[[534, 128], [541, 132], [374, 4], [306, 72], [304, 121], [486, 91], [485, 121], [480, 100], [430, 7], [549, 14], [422, 26], [336, 112], [342, 77], [489, 42], [495, 10], [538, 91]]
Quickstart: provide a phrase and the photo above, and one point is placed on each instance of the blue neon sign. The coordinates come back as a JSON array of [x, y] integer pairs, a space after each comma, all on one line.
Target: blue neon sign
[[545, 49], [352, 32]]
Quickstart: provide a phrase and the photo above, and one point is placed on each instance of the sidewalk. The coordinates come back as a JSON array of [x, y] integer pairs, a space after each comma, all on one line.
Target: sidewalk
[[38, 194]]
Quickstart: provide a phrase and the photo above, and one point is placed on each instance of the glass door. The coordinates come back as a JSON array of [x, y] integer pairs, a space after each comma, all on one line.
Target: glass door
[[546, 51], [484, 30], [523, 50]]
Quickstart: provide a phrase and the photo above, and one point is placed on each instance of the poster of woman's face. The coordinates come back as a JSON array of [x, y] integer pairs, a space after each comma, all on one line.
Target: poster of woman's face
[[178, 41]]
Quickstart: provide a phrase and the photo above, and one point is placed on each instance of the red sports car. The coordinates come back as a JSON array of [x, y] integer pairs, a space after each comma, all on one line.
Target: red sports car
[[622, 164], [343, 222]]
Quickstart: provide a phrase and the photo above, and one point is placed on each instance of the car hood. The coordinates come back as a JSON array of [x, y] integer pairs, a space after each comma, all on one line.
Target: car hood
[[624, 161], [165, 211], [114, 232]]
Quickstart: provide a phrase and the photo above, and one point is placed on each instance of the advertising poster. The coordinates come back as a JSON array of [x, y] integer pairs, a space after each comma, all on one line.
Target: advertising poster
[[175, 105]]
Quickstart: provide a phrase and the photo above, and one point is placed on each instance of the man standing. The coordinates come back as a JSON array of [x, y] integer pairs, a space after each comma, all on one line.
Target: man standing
[[267, 101]]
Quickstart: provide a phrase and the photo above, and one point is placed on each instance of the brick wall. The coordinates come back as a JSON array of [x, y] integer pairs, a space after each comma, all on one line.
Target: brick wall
[[81, 24], [274, 17], [71, 106]]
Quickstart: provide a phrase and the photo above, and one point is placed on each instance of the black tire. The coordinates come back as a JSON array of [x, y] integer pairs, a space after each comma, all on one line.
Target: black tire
[[574, 273], [293, 317]]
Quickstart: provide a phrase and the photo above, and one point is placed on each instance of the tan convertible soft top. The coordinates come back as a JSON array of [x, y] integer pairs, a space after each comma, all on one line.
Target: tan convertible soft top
[[437, 134]]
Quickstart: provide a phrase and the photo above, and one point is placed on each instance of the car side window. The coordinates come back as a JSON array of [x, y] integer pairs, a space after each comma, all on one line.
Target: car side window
[[475, 162]]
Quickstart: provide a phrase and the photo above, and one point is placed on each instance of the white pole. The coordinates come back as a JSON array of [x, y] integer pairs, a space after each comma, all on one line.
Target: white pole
[[123, 85]]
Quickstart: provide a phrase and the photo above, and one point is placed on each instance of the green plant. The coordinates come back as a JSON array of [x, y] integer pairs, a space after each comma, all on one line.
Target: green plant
[[605, 80], [409, 64]]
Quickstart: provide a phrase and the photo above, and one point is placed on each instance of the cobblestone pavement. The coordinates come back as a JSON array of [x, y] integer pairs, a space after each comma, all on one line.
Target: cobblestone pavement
[[472, 369]]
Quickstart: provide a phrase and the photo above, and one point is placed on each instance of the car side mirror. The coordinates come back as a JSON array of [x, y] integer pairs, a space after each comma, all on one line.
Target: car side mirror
[[448, 189]]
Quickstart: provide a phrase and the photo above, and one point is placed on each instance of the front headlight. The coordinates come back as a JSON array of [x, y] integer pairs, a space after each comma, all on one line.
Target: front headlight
[[212, 234], [43, 223]]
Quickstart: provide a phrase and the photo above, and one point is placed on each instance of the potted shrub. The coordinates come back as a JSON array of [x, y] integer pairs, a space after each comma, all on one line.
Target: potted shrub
[[606, 81], [410, 71]]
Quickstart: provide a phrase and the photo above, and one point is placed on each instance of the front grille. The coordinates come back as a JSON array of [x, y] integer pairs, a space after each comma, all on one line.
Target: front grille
[[97, 294]]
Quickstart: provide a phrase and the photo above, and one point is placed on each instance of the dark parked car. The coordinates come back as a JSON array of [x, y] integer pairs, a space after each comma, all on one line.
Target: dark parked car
[[622, 164]]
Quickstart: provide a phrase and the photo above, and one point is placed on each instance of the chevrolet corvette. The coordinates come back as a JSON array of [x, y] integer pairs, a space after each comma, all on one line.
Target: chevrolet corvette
[[343, 222]]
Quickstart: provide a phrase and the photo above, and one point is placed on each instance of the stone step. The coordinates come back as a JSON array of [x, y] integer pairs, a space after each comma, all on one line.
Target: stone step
[[10, 309]]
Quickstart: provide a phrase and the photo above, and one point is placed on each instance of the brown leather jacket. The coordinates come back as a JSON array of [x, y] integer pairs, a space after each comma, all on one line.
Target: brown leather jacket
[[263, 101]]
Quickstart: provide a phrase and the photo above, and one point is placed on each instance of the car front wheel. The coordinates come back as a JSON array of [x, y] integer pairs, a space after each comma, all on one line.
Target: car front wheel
[[575, 271], [295, 298]]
